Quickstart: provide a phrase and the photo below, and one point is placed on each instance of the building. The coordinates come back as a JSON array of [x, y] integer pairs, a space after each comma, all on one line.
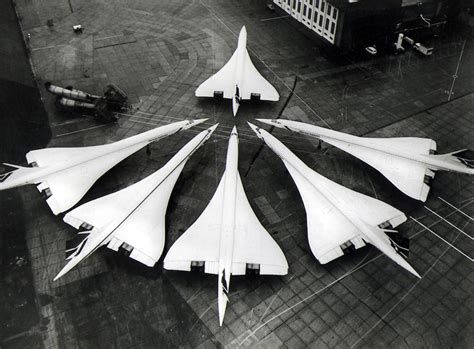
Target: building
[[351, 24]]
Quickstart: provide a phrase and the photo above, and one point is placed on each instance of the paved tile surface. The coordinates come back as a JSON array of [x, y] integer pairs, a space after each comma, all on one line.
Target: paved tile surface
[[159, 52]]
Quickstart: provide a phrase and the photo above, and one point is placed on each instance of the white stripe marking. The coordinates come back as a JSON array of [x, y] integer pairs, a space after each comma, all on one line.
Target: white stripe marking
[[457, 209], [451, 224], [441, 238], [272, 18], [78, 131]]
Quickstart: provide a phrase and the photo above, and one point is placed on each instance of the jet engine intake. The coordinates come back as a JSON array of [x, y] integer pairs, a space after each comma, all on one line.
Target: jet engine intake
[[385, 225], [347, 247], [427, 180], [46, 193], [255, 96], [125, 249], [197, 266], [252, 269], [219, 94]]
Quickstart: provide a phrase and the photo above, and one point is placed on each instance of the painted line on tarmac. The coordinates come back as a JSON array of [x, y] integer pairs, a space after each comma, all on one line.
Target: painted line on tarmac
[[457, 209], [272, 18], [443, 239], [78, 131], [451, 224]]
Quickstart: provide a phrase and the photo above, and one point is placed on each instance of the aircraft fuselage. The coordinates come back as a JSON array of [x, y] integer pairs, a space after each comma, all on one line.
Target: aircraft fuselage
[[371, 234], [142, 192], [239, 71], [226, 248], [34, 175], [434, 162]]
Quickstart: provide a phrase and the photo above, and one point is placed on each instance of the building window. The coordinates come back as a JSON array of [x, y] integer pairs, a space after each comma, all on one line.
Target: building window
[[325, 19]]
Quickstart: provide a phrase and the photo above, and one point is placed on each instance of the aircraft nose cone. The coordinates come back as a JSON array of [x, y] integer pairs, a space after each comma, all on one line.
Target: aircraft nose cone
[[268, 122], [255, 129], [191, 123], [199, 121], [213, 128]]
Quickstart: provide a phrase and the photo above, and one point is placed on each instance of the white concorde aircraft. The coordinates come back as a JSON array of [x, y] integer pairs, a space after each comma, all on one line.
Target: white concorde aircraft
[[132, 219], [339, 218], [238, 79], [227, 238], [64, 175], [408, 162]]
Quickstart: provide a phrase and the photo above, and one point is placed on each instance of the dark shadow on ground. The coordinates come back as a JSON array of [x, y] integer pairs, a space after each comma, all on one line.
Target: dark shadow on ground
[[24, 126]]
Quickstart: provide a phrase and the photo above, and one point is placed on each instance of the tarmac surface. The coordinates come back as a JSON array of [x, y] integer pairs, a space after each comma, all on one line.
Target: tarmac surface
[[159, 52]]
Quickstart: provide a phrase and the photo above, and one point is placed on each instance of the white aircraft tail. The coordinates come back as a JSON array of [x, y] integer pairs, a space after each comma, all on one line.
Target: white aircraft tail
[[457, 158], [13, 178]]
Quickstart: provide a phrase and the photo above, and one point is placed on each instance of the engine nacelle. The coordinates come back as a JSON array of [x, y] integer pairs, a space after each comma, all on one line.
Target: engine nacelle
[[255, 96], [125, 249], [219, 94], [252, 269], [197, 266], [347, 247]]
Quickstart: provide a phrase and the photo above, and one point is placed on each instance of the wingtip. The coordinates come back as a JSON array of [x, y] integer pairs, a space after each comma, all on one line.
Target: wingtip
[[56, 206]]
